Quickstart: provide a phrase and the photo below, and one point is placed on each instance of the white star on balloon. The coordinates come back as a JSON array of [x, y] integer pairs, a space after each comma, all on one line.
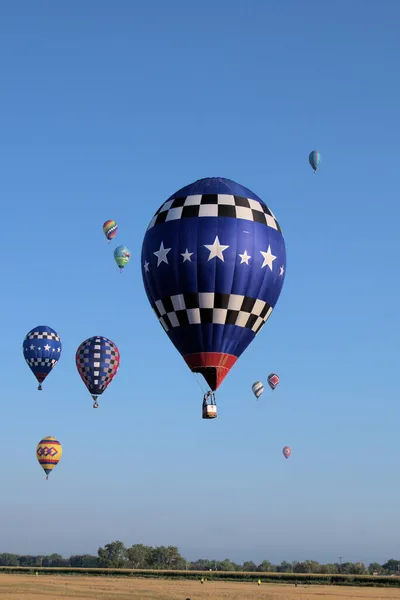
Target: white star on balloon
[[146, 266], [162, 254], [245, 258], [186, 255], [47, 347], [268, 258], [216, 249], [31, 347], [282, 270]]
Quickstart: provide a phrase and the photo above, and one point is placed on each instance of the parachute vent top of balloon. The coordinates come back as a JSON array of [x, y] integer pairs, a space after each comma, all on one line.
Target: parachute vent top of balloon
[[213, 267]]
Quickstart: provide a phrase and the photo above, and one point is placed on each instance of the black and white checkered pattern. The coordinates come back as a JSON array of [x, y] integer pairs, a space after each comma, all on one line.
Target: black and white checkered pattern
[[222, 309], [97, 369], [215, 205], [42, 335], [38, 362]]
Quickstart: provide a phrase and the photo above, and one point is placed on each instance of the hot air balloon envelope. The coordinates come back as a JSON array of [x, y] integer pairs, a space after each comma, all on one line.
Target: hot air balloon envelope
[[122, 256], [314, 159], [110, 229], [42, 351], [257, 388], [213, 266], [97, 360], [286, 451], [48, 453], [273, 380]]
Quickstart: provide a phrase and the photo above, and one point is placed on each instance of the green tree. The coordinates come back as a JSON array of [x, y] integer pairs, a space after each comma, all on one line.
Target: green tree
[[392, 566], [376, 568], [312, 566], [328, 568], [202, 564], [84, 560], [349, 568], [285, 567], [27, 560], [249, 565], [112, 556], [227, 565], [166, 557], [266, 567], [139, 556], [55, 560], [9, 560], [300, 567]]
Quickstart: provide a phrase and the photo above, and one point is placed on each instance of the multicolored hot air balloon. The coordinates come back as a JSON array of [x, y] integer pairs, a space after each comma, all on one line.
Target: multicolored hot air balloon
[[273, 380], [213, 266], [314, 159], [257, 388], [97, 360], [122, 256], [110, 229], [286, 451], [42, 350], [48, 453]]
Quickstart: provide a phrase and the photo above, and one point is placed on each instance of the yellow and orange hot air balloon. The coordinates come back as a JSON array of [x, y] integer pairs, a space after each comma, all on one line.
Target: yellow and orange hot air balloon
[[48, 453]]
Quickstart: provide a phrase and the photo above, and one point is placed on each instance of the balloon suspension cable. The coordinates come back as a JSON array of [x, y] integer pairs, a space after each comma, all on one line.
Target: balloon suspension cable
[[198, 383], [47, 477]]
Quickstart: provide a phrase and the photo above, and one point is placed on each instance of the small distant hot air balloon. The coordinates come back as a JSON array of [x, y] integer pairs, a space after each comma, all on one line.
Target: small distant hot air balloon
[[42, 351], [110, 229], [97, 360], [314, 159], [286, 451], [273, 380], [48, 453], [257, 388], [122, 256]]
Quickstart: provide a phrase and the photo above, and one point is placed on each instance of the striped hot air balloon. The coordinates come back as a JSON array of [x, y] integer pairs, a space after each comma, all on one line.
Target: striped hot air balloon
[[110, 229], [257, 388], [48, 453]]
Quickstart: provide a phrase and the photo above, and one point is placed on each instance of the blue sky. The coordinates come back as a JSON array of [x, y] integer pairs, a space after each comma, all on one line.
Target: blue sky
[[108, 108]]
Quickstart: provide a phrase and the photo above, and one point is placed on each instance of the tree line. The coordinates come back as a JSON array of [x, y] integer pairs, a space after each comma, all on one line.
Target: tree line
[[115, 555]]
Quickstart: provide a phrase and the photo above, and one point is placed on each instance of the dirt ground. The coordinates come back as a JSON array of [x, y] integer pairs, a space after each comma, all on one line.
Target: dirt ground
[[29, 587]]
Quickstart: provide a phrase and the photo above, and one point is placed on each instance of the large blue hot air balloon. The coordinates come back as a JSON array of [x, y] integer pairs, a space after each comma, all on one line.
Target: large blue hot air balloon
[[213, 266], [42, 351], [314, 158]]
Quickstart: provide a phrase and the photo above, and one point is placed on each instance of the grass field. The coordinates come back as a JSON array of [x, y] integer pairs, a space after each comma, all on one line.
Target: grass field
[[29, 587]]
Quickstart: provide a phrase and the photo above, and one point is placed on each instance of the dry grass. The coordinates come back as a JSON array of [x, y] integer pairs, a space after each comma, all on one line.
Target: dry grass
[[29, 587]]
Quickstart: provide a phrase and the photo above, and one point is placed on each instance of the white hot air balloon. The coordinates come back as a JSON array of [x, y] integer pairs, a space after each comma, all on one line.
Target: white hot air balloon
[[257, 388]]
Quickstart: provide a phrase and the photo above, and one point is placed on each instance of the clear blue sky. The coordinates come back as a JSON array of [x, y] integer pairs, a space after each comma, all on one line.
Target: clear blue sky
[[107, 108]]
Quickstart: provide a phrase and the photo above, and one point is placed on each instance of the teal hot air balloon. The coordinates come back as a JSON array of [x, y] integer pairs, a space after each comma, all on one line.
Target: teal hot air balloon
[[122, 256], [314, 158]]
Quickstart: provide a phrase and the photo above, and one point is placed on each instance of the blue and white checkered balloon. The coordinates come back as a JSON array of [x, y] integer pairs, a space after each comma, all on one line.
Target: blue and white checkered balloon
[[213, 267], [42, 350]]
